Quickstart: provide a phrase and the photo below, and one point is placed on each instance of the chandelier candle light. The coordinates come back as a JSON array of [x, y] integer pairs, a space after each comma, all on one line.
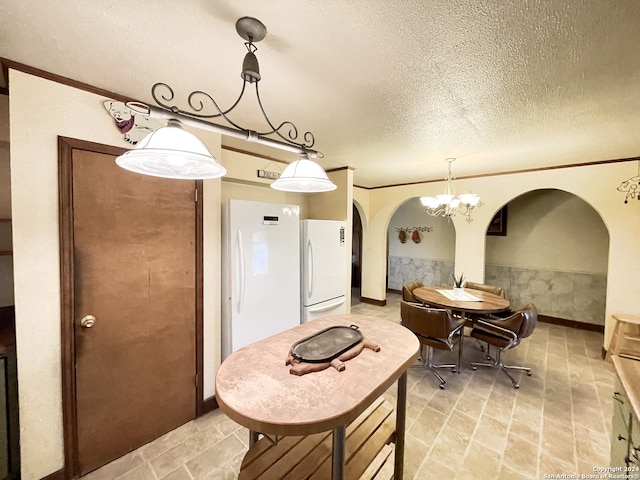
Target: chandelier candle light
[[172, 152], [446, 204]]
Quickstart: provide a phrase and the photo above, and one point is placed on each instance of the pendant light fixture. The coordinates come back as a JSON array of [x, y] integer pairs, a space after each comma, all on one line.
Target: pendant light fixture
[[171, 152], [303, 175], [180, 156], [446, 204]]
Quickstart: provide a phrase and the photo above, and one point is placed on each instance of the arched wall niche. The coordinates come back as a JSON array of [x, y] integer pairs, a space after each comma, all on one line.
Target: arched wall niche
[[554, 254]]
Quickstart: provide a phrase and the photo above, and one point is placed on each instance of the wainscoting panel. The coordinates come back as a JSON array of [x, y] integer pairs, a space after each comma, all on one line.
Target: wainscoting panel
[[569, 295], [575, 296]]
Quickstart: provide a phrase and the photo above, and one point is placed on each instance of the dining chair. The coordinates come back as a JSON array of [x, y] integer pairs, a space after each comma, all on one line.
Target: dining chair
[[506, 334], [499, 291], [407, 291], [435, 328], [486, 288]]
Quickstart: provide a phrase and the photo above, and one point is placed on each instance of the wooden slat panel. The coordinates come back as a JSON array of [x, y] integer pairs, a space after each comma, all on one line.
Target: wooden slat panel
[[355, 463], [359, 462], [291, 459], [378, 462], [256, 451], [295, 458], [386, 472], [322, 454], [268, 456]]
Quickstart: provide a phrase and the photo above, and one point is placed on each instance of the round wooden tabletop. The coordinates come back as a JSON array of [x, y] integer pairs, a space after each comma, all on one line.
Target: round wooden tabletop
[[489, 303]]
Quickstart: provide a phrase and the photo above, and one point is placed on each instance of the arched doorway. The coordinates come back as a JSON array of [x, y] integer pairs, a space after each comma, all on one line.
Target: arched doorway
[[420, 247], [356, 256]]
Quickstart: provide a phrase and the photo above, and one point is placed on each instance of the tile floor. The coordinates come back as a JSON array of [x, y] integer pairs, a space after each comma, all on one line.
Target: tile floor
[[480, 427]]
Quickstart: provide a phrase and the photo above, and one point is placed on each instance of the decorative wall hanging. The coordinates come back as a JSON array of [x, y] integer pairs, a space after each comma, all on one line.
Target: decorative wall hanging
[[630, 187], [415, 233], [133, 124]]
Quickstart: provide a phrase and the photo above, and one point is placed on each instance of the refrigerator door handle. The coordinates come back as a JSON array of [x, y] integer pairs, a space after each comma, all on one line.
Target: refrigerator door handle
[[330, 305], [241, 275], [309, 268]]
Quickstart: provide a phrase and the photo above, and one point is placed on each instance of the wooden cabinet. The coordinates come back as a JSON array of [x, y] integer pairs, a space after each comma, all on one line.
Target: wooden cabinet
[[622, 424], [625, 441]]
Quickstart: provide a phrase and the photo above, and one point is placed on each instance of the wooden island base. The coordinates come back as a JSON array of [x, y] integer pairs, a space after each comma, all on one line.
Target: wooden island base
[[368, 452]]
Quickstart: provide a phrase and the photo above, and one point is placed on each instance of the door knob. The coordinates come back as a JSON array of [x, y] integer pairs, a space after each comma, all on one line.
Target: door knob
[[88, 321]]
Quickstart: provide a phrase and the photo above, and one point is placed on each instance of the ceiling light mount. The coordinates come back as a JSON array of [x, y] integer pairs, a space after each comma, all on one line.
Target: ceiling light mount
[[447, 205], [199, 102]]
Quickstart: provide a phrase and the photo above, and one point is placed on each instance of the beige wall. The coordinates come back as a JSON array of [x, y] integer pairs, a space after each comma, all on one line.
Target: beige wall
[[551, 230], [595, 184], [438, 244], [40, 111]]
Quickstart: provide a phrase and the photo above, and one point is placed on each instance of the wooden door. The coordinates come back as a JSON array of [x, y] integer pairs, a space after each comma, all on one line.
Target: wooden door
[[134, 270]]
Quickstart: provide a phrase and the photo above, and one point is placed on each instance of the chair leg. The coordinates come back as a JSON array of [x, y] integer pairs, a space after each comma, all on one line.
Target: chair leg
[[503, 368], [433, 367]]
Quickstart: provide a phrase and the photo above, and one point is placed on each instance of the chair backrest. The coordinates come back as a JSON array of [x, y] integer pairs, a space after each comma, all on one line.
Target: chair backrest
[[427, 322], [407, 290], [485, 288], [522, 322]]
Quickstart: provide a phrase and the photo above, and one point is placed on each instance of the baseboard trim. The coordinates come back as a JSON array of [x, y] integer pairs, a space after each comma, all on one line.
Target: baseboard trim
[[571, 323], [59, 475], [209, 405], [373, 301]]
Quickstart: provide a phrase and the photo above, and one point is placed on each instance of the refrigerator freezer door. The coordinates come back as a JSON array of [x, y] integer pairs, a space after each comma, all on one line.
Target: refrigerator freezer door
[[324, 260], [261, 260], [336, 306]]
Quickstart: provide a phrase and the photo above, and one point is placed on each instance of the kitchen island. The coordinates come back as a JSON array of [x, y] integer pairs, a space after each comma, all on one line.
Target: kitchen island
[[335, 423]]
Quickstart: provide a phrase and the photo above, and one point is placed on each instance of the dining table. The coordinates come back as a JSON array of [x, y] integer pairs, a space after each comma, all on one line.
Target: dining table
[[463, 302], [469, 300]]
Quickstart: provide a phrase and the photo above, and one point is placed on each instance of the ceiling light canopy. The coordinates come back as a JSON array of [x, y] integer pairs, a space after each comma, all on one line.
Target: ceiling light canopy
[[178, 155], [446, 204]]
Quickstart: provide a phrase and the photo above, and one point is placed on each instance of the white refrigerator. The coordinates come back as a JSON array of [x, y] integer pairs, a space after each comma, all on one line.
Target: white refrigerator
[[261, 271], [324, 260]]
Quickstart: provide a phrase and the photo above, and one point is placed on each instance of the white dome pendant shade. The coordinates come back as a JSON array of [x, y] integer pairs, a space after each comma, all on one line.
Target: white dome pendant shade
[[171, 152], [305, 176]]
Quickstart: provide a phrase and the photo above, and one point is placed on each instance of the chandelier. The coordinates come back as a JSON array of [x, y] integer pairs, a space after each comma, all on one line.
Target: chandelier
[[172, 152], [446, 204]]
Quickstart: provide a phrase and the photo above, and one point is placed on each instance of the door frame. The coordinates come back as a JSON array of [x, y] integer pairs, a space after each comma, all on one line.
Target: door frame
[[66, 146]]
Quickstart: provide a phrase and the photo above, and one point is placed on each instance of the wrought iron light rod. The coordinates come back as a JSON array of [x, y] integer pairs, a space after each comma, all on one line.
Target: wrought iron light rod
[[247, 135]]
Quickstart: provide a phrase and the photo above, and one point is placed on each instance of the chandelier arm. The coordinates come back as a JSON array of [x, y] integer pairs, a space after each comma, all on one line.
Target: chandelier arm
[[221, 113], [292, 132], [195, 104]]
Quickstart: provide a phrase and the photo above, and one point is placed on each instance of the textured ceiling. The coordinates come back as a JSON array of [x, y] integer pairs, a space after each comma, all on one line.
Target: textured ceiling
[[390, 88]]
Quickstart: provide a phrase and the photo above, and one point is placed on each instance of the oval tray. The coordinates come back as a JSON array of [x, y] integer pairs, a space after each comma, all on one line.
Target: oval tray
[[326, 345]]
